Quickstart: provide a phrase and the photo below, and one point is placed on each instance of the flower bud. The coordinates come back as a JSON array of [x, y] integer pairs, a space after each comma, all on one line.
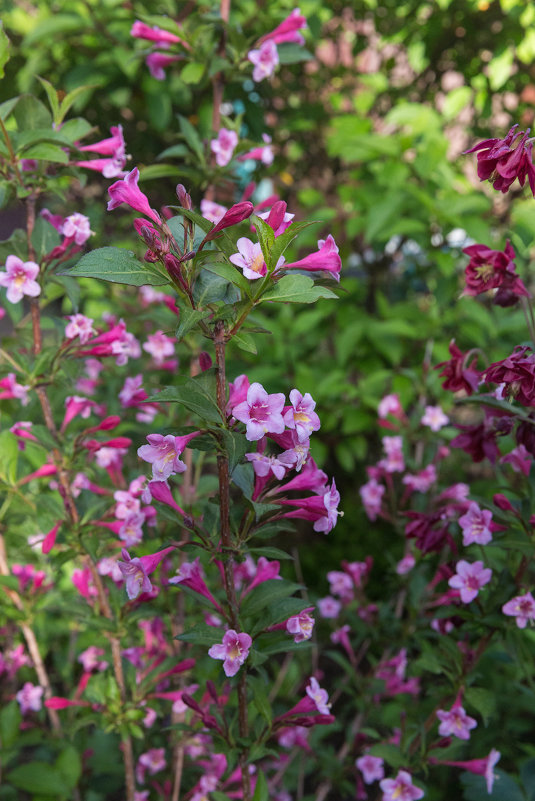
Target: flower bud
[[503, 503], [183, 197]]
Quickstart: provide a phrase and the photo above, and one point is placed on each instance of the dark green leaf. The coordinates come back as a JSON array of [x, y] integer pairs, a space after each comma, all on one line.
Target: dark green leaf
[[270, 553], [261, 792], [296, 289], [243, 477], [9, 453], [229, 273], [190, 393], [10, 720], [278, 612], [245, 342], [4, 50], [236, 446], [267, 593], [292, 53], [192, 137], [390, 754], [45, 151], [265, 235], [118, 266], [201, 634], [69, 765], [188, 319], [31, 114], [39, 777], [44, 237]]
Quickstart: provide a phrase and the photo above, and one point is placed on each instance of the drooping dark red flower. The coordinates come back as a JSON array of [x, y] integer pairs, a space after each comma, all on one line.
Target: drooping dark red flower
[[478, 440], [459, 371], [492, 269], [429, 530], [500, 161], [517, 372]]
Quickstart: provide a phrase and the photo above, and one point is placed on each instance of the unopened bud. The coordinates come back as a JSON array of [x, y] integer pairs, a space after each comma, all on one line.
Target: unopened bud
[[503, 503], [172, 265], [205, 361], [183, 197], [276, 215]]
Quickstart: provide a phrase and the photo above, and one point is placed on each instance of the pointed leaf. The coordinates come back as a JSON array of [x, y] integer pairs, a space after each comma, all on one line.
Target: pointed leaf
[[118, 266], [296, 288]]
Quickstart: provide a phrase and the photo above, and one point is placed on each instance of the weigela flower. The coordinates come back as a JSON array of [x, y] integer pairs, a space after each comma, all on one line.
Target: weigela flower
[[262, 413], [30, 698], [136, 571], [152, 761], [455, 722], [223, 147], [302, 416], [90, 659], [300, 626], [390, 404], [371, 768], [476, 525], [469, 579], [421, 481], [234, 650], [394, 462], [212, 211], [478, 440], [319, 696], [405, 565], [401, 788], [263, 465], [341, 584], [329, 607], [481, 767], [160, 347], [131, 531], [190, 575], [522, 607], [163, 453], [264, 60], [371, 495], [277, 218], [160, 37], [492, 269], [263, 154], [12, 389], [249, 259], [519, 459], [288, 30], [77, 227], [158, 63], [79, 326], [126, 191], [114, 148], [19, 278], [500, 163], [434, 418], [326, 259]]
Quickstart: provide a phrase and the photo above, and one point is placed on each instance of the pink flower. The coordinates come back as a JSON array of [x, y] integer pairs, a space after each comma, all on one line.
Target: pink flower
[[126, 191], [12, 389], [329, 607], [163, 453], [158, 63], [500, 163], [160, 347], [234, 650], [319, 696], [78, 227], [114, 148], [405, 565], [341, 584], [131, 531], [326, 259], [522, 607], [300, 626], [79, 326], [236, 214], [435, 418], [394, 462], [288, 30], [476, 525], [262, 413], [302, 417], [371, 768], [469, 579], [264, 60], [136, 571], [161, 37], [50, 539], [401, 788], [190, 575], [212, 211], [423, 480], [19, 278], [29, 698], [90, 659], [277, 218], [223, 146], [263, 465], [390, 404], [237, 392], [152, 761], [250, 259], [455, 722], [263, 154], [520, 460], [371, 495], [481, 767]]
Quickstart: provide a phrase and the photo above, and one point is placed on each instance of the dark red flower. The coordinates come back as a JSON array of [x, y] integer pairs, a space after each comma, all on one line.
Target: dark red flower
[[459, 371], [500, 161], [492, 269], [517, 372], [429, 530], [479, 441]]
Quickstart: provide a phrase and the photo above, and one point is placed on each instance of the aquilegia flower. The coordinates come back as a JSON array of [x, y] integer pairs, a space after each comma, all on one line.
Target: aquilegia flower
[[492, 269], [19, 278], [234, 650], [500, 163]]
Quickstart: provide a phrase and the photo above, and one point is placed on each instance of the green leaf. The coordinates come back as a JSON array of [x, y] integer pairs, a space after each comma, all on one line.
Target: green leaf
[[10, 719], [75, 129], [296, 289], [390, 754], [52, 96], [71, 287], [9, 453], [192, 137], [265, 235], [118, 266], [236, 446], [188, 319], [483, 701], [504, 789], [70, 99], [284, 240], [191, 394], [31, 114], [229, 273], [261, 791], [243, 477], [292, 53], [4, 50], [39, 777], [44, 237], [270, 552], [267, 593], [245, 342], [201, 634], [277, 612], [192, 72], [69, 765]]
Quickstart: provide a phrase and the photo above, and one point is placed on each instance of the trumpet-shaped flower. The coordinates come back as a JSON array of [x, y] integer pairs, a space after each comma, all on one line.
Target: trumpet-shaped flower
[[302, 416], [127, 191], [163, 453], [371, 768], [262, 413], [434, 418], [481, 767], [30, 698], [249, 258], [223, 146], [469, 579], [136, 571], [522, 607], [300, 626], [318, 695], [288, 30], [19, 278], [158, 63], [234, 650], [401, 788], [264, 60], [476, 525], [325, 259], [79, 326], [455, 722]]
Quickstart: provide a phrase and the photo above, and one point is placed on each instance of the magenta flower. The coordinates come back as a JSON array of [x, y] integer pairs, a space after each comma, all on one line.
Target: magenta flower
[[126, 191], [371, 768], [212, 211], [262, 413], [319, 696], [19, 278], [519, 459], [312, 479], [476, 525], [114, 148], [79, 326], [405, 565], [481, 767], [390, 404], [164, 452], [522, 607], [250, 259], [469, 579], [326, 259], [223, 146], [136, 571], [12, 389], [277, 218], [236, 214], [322, 510], [455, 723], [263, 465], [190, 575], [460, 371], [78, 227], [160, 347], [264, 60], [158, 63], [492, 269], [300, 626], [401, 788], [29, 698], [371, 495], [160, 37], [302, 416], [263, 154], [234, 650], [394, 462], [288, 30], [131, 530], [500, 163]]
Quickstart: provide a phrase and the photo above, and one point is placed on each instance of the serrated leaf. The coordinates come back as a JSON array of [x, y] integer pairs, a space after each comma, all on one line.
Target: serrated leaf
[[266, 236], [118, 266], [189, 319], [190, 393], [245, 342], [267, 593], [201, 634], [296, 289]]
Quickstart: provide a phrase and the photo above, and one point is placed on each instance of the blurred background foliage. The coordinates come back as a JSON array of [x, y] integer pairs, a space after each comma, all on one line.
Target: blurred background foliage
[[368, 126]]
